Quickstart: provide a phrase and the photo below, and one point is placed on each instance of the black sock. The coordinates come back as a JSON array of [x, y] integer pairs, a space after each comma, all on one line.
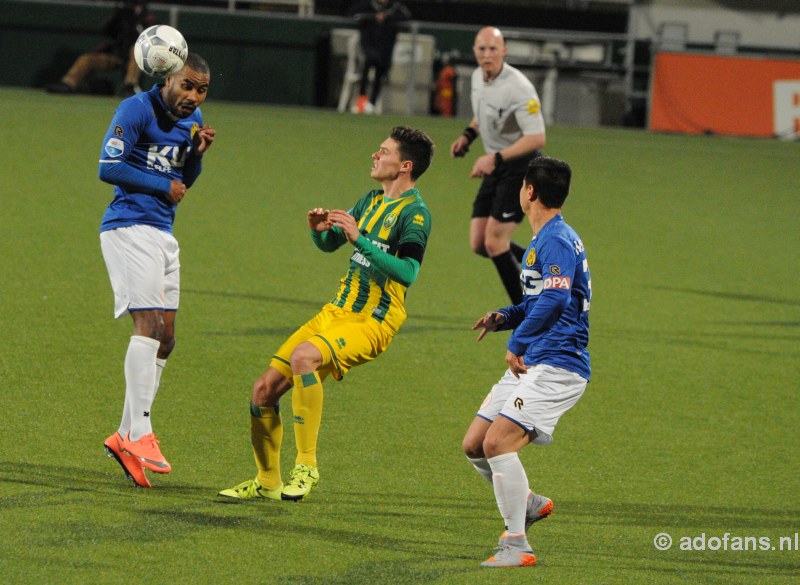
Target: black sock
[[518, 251], [509, 270]]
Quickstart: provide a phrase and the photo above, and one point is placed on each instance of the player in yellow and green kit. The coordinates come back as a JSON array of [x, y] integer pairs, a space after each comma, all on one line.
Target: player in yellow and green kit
[[388, 229]]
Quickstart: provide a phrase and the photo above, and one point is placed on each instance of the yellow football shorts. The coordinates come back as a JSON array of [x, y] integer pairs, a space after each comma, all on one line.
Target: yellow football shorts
[[345, 340]]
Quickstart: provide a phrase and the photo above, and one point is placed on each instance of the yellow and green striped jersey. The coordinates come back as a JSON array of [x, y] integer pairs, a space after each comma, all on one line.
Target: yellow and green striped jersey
[[387, 224]]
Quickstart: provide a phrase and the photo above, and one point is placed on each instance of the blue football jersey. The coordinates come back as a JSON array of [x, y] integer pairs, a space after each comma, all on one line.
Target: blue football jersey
[[551, 324], [144, 148]]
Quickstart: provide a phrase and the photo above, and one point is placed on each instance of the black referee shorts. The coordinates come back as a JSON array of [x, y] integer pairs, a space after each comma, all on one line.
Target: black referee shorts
[[498, 196]]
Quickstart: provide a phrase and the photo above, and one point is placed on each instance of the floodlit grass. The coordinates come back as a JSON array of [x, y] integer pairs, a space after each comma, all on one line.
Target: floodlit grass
[[688, 427]]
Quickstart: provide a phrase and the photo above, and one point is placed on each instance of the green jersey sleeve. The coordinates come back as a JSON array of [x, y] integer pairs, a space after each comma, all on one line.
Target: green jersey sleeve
[[416, 223], [328, 241], [402, 270]]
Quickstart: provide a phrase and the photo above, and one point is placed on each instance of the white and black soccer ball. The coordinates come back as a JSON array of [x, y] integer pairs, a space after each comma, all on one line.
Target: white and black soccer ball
[[160, 50]]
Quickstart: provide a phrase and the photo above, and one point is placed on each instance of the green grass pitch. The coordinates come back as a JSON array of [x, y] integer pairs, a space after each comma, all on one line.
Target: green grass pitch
[[689, 426]]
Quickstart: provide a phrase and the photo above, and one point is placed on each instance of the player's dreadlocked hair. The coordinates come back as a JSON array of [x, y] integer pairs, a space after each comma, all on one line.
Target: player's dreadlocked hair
[[415, 146]]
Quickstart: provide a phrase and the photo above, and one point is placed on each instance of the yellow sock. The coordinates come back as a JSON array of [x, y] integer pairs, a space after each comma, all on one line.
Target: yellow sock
[[266, 436], [307, 409]]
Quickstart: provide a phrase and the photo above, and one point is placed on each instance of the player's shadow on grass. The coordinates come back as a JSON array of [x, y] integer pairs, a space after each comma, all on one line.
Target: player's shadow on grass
[[74, 480], [288, 519], [671, 516], [676, 519], [729, 296]]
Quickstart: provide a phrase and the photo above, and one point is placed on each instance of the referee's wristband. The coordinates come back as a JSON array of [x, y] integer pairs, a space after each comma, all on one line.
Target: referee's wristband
[[470, 134]]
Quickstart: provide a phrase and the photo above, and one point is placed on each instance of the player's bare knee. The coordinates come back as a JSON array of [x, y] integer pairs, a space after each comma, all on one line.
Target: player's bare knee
[[149, 324], [267, 391], [480, 250], [477, 246], [260, 392], [305, 359], [491, 447], [472, 448], [495, 247], [166, 347]]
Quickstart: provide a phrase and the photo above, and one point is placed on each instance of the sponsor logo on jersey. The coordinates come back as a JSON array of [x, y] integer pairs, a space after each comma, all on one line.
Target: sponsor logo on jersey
[[114, 147], [554, 269], [563, 282], [419, 219], [358, 257], [166, 158], [118, 131], [389, 221], [194, 130], [533, 106], [531, 282], [531, 257]]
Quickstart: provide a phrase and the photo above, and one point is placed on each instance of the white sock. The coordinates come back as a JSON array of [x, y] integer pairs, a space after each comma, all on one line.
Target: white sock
[[140, 378], [510, 490], [485, 470], [160, 364], [125, 423], [482, 467]]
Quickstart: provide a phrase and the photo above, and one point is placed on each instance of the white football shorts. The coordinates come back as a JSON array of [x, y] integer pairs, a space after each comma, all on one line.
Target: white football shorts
[[535, 400], [144, 268]]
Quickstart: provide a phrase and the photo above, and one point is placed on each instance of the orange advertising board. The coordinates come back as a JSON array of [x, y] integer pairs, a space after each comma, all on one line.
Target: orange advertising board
[[738, 96]]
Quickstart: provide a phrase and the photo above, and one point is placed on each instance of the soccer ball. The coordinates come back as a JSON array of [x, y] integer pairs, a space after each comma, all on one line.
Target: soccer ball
[[160, 50]]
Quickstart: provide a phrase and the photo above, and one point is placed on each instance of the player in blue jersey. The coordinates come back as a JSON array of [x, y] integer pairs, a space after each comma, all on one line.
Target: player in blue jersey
[[152, 153], [548, 363]]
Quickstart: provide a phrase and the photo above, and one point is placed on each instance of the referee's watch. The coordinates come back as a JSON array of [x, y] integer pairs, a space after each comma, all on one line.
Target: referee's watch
[[498, 159]]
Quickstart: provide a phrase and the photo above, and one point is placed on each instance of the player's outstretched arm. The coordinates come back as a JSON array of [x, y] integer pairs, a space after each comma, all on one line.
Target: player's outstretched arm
[[491, 321]]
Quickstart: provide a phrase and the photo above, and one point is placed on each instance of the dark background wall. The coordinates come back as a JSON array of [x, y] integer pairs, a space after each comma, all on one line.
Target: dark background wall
[[255, 56], [279, 58], [595, 17], [564, 14]]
